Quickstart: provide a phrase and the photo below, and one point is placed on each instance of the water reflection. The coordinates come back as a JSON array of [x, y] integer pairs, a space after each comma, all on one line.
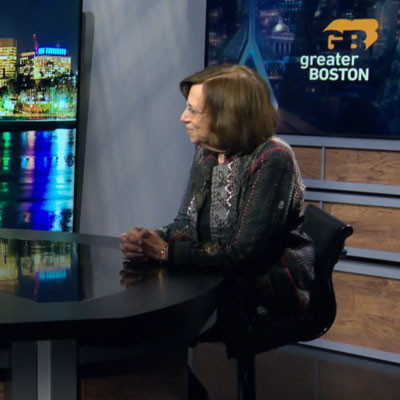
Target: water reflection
[[37, 179], [40, 270]]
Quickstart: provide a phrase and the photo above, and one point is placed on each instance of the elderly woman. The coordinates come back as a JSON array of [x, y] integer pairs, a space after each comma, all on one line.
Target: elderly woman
[[241, 213]]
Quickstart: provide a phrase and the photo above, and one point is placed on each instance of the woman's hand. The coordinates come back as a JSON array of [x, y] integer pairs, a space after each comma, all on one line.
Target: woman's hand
[[142, 244], [131, 245]]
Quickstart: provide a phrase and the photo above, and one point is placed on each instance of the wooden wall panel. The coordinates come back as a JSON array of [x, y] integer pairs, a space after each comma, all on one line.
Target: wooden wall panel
[[364, 166], [375, 228], [368, 312], [310, 161], [368, 307]]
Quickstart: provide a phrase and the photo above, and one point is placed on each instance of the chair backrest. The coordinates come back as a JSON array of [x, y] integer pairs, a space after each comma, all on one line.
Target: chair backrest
[[329, 235]]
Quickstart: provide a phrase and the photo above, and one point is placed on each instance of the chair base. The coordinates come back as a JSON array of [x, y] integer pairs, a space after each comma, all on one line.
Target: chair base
[[246, 380]]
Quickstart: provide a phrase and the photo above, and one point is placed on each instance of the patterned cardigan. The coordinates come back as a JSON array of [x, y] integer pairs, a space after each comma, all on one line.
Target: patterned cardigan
[[255, 222]]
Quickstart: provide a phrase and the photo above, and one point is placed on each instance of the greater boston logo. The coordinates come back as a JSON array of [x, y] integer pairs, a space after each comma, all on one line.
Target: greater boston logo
[[356, 26], [342, 67]]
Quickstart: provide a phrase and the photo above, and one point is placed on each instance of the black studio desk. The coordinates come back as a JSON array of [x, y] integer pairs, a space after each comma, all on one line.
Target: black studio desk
[[62, 305]]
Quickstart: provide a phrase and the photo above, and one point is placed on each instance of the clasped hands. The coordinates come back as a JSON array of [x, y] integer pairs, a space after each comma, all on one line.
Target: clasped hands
[[142, 245]]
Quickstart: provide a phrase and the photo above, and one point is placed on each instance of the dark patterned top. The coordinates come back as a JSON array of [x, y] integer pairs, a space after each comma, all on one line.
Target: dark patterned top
[[256, 240]]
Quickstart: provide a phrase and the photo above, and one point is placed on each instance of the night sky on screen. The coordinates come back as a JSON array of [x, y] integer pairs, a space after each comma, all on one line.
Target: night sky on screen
[[55, 23]]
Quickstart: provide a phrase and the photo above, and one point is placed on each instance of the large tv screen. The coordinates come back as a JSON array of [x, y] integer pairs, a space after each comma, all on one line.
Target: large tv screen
[[39, 82], [333, 67]]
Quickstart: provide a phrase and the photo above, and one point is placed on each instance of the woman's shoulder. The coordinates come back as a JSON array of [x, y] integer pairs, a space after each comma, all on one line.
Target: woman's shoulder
[[275, 148], [272, 155], [275, 143]]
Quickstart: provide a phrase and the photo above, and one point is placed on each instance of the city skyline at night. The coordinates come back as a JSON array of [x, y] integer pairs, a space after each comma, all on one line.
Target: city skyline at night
[[39, 58], [56, 23]]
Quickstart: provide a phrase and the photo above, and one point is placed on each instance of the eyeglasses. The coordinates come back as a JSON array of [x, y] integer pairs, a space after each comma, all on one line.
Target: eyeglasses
[[192, 111]]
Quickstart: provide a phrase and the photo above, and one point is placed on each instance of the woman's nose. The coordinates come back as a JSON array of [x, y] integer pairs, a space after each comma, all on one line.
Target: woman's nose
[[185, 116]]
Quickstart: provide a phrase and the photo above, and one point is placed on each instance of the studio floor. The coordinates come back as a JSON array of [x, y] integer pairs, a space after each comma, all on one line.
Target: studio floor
[[295, 372], [300, 373]]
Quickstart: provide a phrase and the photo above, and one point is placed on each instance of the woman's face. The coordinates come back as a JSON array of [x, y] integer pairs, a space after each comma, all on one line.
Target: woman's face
[[194, 116]]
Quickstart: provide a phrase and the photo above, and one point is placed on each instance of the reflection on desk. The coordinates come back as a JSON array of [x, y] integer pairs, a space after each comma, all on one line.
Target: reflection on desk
[[52, 271], [39, 270]]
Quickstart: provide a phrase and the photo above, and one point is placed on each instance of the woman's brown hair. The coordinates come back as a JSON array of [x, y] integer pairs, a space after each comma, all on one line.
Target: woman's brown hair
[[238, 102]]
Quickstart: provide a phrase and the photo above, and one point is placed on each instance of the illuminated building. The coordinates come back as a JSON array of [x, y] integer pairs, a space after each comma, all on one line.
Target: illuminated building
[[8, 60], [50, 62], [281, 39], [25, 63]]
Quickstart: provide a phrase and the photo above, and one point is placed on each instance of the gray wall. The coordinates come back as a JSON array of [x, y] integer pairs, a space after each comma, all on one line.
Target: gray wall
[[137, 152]]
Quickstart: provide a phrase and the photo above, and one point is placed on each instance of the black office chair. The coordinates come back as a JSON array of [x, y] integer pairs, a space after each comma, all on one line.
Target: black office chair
[[329, 235]]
